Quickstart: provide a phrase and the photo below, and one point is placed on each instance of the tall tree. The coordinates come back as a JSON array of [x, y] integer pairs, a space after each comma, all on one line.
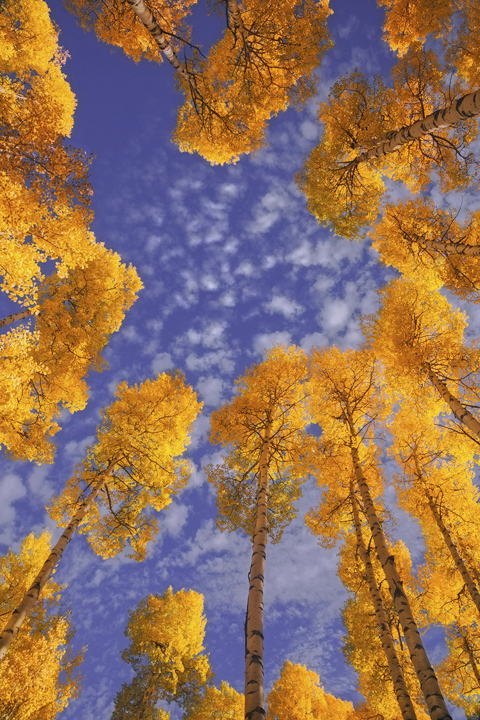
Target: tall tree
[[45, 195], [374, 644], [436, 488], [40, 676], [415, 237], [337, 515], [455, 22], [265, 62], [298, 695], [419, 337], [44, 368], [412, 131], [265, 426], [166, 635], [132, 466], [346, 403], [223, 702]]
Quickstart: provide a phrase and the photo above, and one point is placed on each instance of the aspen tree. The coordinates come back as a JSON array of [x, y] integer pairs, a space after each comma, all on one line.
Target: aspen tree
[[132, 466], [40, 676], [298, 695], [44, 189], [455, 22], [436, 488], [336, 516], [345, 401], [372, 629], [265, 62], [44, 368], [419, 338], [166, 635], [415, 237], [411, 132], [265, 426], [223, 702], [460, 670], [136, 28]]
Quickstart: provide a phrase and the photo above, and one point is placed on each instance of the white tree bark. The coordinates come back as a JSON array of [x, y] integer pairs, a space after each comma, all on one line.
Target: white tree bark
[[461, 413], [139, 7], [425, 672], [12, 627], [254, 693], [16, 316], [396, 672], [462, 109]]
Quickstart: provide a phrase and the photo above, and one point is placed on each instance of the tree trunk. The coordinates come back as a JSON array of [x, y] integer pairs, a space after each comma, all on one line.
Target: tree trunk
[[425, 673], [459, 564], [462, 109], [254, 695], [237, 21], [156, 32], [12, 627], [460, 412], [449, 248], [471, 657], [396, 672], [16, 316]]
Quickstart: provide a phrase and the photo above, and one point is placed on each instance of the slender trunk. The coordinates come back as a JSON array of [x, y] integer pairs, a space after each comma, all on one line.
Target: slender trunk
[[147, 694], [449, 248], [237, 21], [396, 672], [459, 564], [425, 673], [462, 109], [460, 412], [157, 34], [254, 696], [12, 627], [15, 316], [471, 657]]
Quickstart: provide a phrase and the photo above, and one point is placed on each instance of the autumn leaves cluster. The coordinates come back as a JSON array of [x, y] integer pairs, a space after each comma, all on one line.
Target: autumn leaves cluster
[[412, 386]]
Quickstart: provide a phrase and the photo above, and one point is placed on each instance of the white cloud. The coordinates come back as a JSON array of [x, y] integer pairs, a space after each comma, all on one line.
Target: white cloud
[[245, 268], [335, 314], [266, 341], [221, 358], [161, 362], [38, 484], [75, 449], [283, 305], [174, 518], [310, 130], [11, 489], [228, 299], [210, 389], [315, 339]]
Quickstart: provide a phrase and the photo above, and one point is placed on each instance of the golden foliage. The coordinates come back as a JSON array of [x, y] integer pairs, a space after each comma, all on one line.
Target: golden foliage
[[344, 187], [298, 695], [39, 676], [269, 394], [416, 237], [44, 193], [115, 23], [166, 642], [223, 703], [44, 369], [143, 431], [251, 76], [363, 648]]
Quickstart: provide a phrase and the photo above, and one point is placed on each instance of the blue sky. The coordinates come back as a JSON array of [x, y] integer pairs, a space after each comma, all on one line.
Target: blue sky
[[232, 262]]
